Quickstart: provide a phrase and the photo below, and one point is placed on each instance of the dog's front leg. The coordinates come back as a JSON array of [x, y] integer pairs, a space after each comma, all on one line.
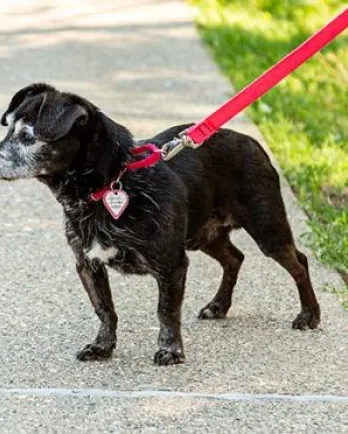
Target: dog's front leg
[[94, 277], [171, 292]]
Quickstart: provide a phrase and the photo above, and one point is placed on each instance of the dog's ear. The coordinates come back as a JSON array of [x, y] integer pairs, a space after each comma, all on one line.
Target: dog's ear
[[27, 92], [57, 116]]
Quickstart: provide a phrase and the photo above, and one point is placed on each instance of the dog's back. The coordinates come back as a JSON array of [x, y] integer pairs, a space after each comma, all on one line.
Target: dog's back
[[230, 182]]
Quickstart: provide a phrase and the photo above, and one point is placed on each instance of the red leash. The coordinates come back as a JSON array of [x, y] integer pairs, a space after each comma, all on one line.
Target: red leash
[[197, 134], [208, 126]]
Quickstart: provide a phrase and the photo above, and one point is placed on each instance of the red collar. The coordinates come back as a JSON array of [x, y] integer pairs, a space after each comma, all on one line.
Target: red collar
[[153, 158]]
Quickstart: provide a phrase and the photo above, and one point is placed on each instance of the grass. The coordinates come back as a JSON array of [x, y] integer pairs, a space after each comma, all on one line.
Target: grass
[[304, 118]]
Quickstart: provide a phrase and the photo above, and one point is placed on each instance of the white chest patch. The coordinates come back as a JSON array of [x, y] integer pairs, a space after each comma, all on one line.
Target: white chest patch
[[96, 251]]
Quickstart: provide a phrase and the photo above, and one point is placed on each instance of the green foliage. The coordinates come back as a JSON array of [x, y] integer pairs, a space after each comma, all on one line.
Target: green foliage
[[304, 119], [295, 10]]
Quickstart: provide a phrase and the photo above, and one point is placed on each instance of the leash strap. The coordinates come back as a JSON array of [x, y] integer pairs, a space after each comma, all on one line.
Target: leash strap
[[194, 136], [208, 126]]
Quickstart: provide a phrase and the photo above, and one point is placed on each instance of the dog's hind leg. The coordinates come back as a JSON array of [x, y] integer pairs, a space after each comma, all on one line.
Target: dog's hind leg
[[94, 277], [171, 293], [266, 221], [231, 260], [295, 262]]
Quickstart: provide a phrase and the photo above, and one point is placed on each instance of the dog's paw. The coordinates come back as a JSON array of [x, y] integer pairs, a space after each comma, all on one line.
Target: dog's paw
[[306, 320], [169, 357], [95, 352], [212, 310]]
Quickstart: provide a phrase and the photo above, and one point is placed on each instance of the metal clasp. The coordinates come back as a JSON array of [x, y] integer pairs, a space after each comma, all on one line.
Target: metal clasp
[[172, 148], [116, 184]]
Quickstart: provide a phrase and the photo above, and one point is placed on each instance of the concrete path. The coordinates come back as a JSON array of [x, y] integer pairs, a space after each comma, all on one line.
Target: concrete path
[[142, 62]]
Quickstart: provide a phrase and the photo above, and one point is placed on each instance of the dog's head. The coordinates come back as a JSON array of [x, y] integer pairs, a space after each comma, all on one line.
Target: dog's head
[[44, 128]]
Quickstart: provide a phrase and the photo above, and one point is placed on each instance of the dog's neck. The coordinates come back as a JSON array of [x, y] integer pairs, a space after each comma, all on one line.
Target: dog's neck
[[103, 154]]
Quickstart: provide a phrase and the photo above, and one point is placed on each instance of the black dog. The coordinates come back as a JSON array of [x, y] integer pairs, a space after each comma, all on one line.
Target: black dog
[[189, 203]]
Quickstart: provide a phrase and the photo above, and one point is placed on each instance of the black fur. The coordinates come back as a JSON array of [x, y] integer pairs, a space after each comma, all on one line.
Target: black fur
[[190, 203]]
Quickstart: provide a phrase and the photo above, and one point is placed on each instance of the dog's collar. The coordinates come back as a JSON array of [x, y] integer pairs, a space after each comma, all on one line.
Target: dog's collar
[[153, 158]]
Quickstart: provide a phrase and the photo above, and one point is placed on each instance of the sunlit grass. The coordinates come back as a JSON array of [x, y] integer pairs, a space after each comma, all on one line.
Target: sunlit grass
[[304, 119]]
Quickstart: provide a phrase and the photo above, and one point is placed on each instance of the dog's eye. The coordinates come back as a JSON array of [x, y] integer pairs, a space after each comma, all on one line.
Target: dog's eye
[[26, 137]]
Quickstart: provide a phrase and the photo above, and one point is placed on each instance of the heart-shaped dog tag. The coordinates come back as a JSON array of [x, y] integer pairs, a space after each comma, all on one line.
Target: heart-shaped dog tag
[[116, 202]]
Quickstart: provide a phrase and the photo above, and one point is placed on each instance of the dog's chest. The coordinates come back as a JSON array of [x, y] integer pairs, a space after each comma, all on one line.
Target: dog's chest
[[96, 251], [126, 260], [95, 237]]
